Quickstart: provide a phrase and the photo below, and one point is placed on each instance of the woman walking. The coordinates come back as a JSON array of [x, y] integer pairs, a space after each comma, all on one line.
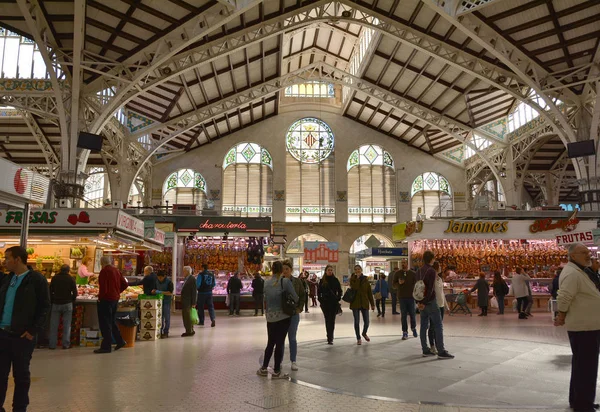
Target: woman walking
[[304, 278], [278, 323], [440, 298], [313, 283], [295, 319], [330, 294], [360, 305], [483, 290], [500, 291], [381, 294]]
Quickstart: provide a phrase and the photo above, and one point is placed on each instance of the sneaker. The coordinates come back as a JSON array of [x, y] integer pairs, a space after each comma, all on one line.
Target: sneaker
[[428, 353], [433, 350], [415, 334], [405, 336], [359, 342], [262, 372], [445, 355], [294, 366], [364, 335], [280, 375], [212, 324]]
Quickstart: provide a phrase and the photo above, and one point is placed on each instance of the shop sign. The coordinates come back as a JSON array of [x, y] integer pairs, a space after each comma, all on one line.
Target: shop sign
[[223, 224], [23, 183], [130, 224], [321, 252], [480, 226], [566, 225], [389, 251], [579, 237]]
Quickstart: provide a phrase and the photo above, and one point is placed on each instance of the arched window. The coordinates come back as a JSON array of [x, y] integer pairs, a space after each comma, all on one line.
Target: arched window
[[431, 193], [185, 187], [310, 174], [248, 181], [371, 185], [95, 188]]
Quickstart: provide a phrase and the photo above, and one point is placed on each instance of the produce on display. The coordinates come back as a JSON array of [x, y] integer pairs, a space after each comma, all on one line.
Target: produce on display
[[472, 256], [30, 251], [76, 253], [86, 292]]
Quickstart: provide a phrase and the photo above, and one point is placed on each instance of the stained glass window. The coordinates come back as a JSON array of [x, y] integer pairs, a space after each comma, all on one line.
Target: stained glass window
[[431, 195], [310, 140], [247, 181], [310, 174], [370, 155], [311, 89], [185, 187]]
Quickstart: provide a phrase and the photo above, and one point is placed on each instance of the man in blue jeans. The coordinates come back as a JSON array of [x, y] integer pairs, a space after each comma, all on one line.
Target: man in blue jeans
[[405, 284], [205, 283], [429, 309]]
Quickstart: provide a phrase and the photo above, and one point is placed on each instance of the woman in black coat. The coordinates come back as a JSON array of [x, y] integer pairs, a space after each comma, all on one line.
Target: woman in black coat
[[330, 294], [483, 290]]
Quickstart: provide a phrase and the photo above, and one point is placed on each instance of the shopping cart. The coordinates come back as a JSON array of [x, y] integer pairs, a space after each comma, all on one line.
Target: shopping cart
[[457, 302]]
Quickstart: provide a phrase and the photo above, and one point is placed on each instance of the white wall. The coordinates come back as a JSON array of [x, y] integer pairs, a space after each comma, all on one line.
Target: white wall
[[349, 136]]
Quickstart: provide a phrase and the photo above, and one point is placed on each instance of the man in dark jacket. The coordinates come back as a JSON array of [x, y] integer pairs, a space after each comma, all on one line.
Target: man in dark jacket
[[205, 283], [234, 288], [63, 292], [258, 293], [24, 306], [188, 300], [429, 308], [404, 280], [110, 284], [150, 281]]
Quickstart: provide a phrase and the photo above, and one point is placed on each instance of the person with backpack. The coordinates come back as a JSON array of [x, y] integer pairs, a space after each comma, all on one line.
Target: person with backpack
[[205, 283], [360, 304], [281, 299], [425, 296], [500, 291], [330, 294], [295, 318], [258, 293]]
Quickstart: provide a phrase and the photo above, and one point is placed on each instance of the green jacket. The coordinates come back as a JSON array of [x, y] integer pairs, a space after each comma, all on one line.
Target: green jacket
[[301, 292], [364, 293]]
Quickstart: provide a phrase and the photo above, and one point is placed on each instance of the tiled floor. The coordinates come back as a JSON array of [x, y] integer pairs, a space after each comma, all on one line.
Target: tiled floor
[[501, 364]]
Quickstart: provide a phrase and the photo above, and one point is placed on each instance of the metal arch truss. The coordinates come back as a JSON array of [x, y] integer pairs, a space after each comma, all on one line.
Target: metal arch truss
[[496, 157], [43, 105], [52, 159], [460, 7]]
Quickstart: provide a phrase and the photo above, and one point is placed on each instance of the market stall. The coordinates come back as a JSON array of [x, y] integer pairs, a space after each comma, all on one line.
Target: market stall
[[469, 247]]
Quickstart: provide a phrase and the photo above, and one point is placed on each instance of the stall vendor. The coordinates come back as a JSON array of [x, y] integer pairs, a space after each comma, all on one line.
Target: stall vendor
[[83, 273], [164, 285]]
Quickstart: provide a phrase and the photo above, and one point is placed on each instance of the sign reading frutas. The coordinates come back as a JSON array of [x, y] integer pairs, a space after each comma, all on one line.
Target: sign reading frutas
[[482, 226], [579, 237], [543, 225]]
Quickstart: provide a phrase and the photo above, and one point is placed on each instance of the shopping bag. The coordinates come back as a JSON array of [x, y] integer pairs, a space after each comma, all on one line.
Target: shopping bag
[[494, 303], [194, 316], [227, 300]]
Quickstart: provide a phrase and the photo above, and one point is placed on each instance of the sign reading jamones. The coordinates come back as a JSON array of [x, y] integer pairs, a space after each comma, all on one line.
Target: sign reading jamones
[[481, 226]]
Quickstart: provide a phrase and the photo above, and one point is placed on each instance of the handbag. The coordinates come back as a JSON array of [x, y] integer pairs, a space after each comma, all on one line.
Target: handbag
[[349, 295], [288, 303], [339, 310], [378, 294]]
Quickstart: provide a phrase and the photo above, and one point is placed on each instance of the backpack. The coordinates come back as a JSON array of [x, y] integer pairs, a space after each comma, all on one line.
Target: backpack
[[288, 303], [419, 289], [505, 288]]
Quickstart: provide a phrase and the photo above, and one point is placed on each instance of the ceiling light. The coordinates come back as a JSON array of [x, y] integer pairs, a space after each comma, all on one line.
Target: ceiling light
[[103, 243], [62, 240]]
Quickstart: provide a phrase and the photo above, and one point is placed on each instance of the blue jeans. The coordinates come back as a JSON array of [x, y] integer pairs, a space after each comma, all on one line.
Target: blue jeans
[[365, 315], [292, 332], [432, 313], [407, 307], [66, 311], [166, 318], [205, 299]]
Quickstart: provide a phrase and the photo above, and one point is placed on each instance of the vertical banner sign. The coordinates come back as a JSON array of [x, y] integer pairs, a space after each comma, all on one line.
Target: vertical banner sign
[[321, 252]]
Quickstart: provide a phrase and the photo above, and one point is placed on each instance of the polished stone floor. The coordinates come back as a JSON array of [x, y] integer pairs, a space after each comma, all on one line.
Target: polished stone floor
[[501, 364]]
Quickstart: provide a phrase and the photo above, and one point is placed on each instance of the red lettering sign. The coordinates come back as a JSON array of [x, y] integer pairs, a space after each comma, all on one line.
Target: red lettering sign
[[544, 225], [229, 225]]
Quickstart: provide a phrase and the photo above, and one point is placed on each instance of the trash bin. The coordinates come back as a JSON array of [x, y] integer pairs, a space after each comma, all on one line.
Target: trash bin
[[128, 321]]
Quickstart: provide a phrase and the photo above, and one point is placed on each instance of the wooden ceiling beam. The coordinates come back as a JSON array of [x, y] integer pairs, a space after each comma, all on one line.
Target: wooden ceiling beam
[[561, 29], [110, 29], [123, 17], [570, 42], [517, 10], [153, 12]]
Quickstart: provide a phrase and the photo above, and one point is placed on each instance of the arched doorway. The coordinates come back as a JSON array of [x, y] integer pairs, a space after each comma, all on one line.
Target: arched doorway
[[359, 254], [295, 252]]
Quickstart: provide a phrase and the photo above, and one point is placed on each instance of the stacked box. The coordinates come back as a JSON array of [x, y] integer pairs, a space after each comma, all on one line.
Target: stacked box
[[89, 337], [151, 317]]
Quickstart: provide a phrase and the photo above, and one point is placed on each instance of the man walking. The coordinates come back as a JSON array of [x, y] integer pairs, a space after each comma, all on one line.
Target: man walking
[[258, 293], [393, 283], [578, 301], [405, 284], [429, 308], [521, 291], [63, 292], [110, 284], [205, 283], [188, 300], [234, 288], [24, 306]]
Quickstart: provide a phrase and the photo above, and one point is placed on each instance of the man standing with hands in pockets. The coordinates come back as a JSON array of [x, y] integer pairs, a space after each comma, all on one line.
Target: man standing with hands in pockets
[[405, 283]]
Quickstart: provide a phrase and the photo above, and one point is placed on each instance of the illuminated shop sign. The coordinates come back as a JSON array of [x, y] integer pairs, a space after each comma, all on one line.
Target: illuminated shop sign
[[483, 226], [200, 224]]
